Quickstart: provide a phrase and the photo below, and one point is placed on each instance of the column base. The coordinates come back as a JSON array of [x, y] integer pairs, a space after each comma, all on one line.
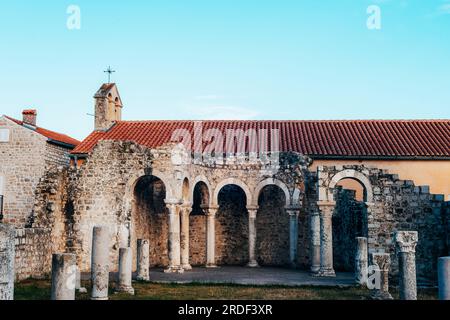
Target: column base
[[174, 269], [325, 272], [381, 295], [315, 269], [253, 264], [186, 266], [128, 290], [211, 266], [141, 278]]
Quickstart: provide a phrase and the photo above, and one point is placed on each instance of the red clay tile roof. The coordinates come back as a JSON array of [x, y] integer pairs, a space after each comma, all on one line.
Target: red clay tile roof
[[52, 135], [346, 138]]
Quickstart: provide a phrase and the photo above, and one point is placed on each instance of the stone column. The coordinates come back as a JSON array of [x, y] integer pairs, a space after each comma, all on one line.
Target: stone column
[[361, 261], [125, 272], [211, 237], [174, 237], [64, 276], [315, 241], [252, 237], [100, 263], [326, 239], [7, 256], [406, 249], [185, 213], [143, 260], [293, 235], [444, 278], [383, 262]]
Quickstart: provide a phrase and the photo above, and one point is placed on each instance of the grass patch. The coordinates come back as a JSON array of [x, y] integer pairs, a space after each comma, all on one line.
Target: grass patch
[[40, 290]]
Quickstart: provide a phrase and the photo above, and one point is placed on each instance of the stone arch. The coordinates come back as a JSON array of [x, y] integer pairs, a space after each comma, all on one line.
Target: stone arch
[[232, 181], [349, 219], [132, 181], [351, 174], [201, 200], [204, 180], [275, 182], [148, 217]]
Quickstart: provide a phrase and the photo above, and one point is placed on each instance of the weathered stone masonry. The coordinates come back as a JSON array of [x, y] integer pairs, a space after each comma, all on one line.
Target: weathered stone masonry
[[109, 188]]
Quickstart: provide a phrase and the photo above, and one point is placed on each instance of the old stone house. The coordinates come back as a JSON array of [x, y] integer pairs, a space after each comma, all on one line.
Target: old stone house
[[250, 193], [27, 153]]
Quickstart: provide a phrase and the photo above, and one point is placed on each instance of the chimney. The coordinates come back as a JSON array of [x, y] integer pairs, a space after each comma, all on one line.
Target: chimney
[[29, 117]]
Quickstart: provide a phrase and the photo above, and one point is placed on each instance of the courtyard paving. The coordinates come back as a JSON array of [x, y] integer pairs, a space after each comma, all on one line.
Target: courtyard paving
[[251, 276]]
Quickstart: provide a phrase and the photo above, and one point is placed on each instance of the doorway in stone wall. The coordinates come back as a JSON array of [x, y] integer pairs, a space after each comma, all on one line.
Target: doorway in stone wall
[[349, 222], [150, 218]]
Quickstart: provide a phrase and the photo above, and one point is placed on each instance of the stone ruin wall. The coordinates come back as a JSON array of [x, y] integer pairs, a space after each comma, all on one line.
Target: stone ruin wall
[[400, 205], [95, 194], [56, 155], [33, 250], [48, 228], [101, 185]]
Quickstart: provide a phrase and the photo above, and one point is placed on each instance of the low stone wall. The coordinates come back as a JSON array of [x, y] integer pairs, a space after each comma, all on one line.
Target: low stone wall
[[33, 253]]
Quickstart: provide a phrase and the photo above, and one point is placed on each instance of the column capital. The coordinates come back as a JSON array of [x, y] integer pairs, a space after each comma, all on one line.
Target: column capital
[[326, 203], [406, 241], [252, 211], [382, 260], [186, 204], [173, 201], [210, 210], [294, 212]]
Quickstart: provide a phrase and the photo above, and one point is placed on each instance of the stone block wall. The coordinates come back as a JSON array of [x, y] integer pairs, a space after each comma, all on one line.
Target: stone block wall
[[22, 164], [102, 196], [272, 229], [232, 228], [399, 205], [56, 155], [33, 249], [197, 240]]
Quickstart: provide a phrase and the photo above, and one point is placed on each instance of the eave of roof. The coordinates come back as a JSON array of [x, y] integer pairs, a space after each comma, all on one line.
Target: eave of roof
[[358, 139], [54, 137]]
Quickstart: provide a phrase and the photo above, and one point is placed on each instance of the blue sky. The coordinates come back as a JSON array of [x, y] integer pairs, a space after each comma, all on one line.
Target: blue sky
[[203, 59]]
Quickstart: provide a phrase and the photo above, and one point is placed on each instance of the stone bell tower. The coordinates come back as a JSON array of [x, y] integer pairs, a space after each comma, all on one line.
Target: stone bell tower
[[108, 107]]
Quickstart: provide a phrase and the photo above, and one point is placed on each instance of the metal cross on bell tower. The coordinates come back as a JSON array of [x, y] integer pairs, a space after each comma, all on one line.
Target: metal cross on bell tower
[[109, 71]]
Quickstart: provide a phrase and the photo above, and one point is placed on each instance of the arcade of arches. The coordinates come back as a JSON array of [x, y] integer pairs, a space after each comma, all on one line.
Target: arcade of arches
[[228, 214]]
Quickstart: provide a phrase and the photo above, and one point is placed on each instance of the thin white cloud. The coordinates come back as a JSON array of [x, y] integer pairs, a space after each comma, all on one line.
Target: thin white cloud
[[223, 113], [208, 97], [444, 9]]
